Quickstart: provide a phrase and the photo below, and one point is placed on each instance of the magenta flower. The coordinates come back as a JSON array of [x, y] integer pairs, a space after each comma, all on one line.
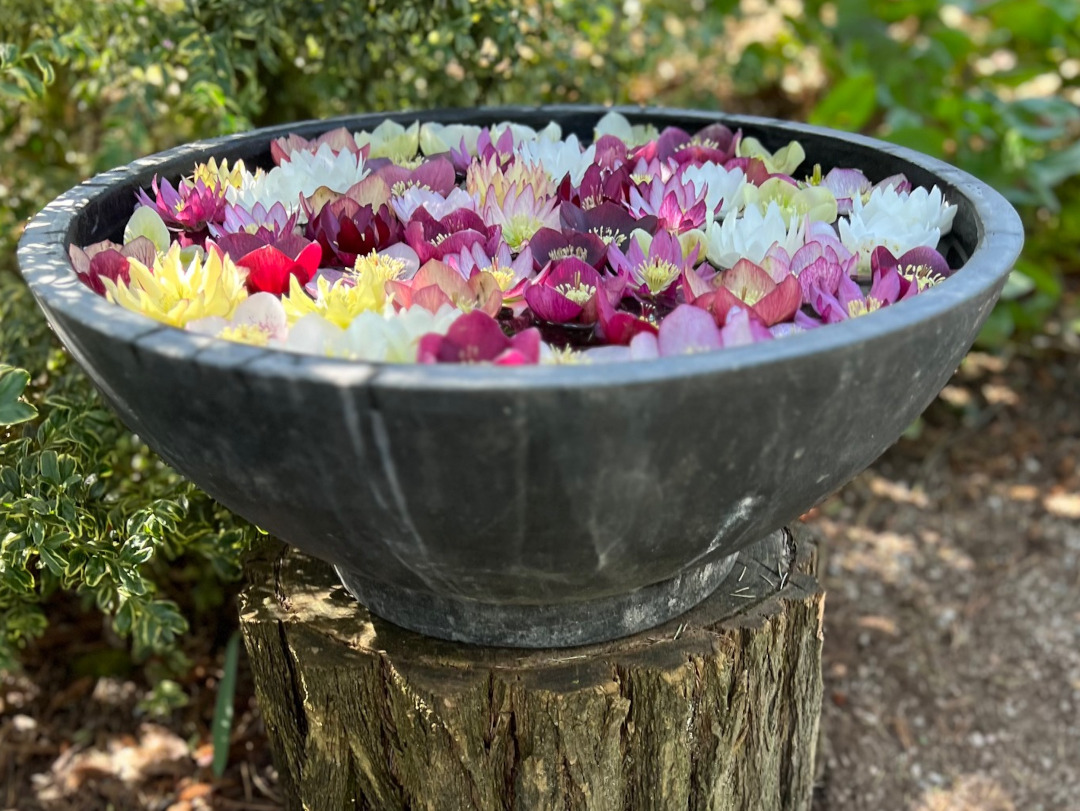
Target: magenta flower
[[822, 262], [346, 229], [597, 187], [566, 292], [551, 245], [190, 207], [850, 301], [477, 338], [918, 268], [107, 260], [653, 273], [619, 326], [434, 174], [439, 238], [676, 203], [511, 273]]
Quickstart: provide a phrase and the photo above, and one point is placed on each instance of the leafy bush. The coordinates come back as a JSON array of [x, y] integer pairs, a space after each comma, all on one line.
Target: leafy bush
[[87, 509]]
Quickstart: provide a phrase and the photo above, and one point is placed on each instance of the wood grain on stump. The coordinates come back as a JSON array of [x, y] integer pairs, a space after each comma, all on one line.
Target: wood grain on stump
[[716, 710]]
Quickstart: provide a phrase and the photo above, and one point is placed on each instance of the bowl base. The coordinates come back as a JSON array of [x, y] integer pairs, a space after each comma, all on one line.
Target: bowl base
[[561, 625]]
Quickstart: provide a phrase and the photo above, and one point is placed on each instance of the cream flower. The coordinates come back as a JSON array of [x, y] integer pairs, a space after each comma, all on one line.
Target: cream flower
[[751, 235], [558, 158], [616, 124], [392, 140], [723, 187]]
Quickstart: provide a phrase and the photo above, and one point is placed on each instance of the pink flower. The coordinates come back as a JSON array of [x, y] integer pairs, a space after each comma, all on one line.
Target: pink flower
[[477, 338]]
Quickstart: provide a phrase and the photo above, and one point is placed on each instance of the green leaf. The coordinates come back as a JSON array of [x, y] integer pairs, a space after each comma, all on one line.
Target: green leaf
[[849, 104], [12, 384], [223, 707]]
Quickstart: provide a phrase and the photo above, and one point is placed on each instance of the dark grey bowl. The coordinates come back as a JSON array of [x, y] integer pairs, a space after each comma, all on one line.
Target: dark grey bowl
[[526, 506]]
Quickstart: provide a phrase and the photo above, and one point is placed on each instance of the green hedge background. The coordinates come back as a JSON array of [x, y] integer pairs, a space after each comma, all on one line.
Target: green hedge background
[[87, 513]]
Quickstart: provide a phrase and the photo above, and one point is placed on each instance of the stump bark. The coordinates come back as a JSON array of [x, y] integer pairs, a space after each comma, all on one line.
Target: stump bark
[[717, 710]]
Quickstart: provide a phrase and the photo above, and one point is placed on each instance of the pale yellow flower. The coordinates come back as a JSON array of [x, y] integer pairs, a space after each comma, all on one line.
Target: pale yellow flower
[[175, 292], [816, 202], [784, 161], [212, 172]]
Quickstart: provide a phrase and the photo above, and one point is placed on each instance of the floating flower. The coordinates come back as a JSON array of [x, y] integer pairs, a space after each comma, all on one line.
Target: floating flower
[[654, 264], [616, 124], [919, 268], [566, 293], [392, 140], [752, 235], [346, 229], [175, 293], [437, 284], [520, 214], [509, 272], [810, 203], [439, 139], [107, 260], [146, 222], [558, 158], [612, 224], [750, 287], [437, 205], [394, 336], [850, 301], [897, 220], [721, 188], [676, 203], [551, 245], [300, 176], [438, 238], [477, 338], [337, 141], [257, 320], [213, 173], [266, 224], [271, 270], [188, 207], [784, 161]]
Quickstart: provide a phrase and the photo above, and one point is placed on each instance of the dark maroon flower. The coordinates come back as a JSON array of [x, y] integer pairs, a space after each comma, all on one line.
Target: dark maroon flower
[[457, 231], [611, 223], [436, 174], [345, 230], [550, 245], [918, 269]]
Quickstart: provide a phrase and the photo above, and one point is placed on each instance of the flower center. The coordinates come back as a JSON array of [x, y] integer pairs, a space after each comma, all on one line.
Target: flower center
[[378, 270], [568, 251], [641, 178], [402, 186], [922, 275], [520, 229], [246, 334], [859, 307], [504, 277], [579, 293], [659, 274], [609, 235]]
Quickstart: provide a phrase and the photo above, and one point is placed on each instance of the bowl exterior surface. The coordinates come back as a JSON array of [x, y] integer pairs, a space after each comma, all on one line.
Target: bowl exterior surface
[[526, 486]]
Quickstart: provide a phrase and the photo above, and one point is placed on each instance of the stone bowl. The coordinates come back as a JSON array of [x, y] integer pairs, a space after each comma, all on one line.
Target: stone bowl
[[542, 506]]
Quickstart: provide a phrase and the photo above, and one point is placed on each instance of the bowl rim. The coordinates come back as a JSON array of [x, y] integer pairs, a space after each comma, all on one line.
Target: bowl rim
[[44, 264]]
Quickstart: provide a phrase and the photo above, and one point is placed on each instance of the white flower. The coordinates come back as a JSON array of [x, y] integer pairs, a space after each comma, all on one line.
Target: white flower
[[405, 205], [386, 337], [723, 187], [301, 174], [558, 158], [435, 139], [751, 235], [258, 319], [630, 134], [391, 140], [898, 220]]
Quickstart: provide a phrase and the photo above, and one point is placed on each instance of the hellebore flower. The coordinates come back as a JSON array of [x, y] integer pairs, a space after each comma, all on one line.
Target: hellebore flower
[[617, 326], [394, 336], [257, 320], [439, 139], [477, 337], [741, 328], [919, 268], [851, 302], [566, 292], [438, 238], [175, 293], [520, 214], [393, 141], [511, 273], [598, 186], [784, 161], [266, 224], [812, 203], [899, 221], [558, 158], [752, 235], [550, 245], [213, 173], [748, 286], [437, 284], [713, 144], [687, 330], [821, 263], [300, 176], [146, 222], [437, 205], [676, 203], [488, 180], [846, 185], [616, 124], [107, 260], [655, 267], [337, 140], [721, 188], [346, 229], [433, 174], [270, 270], [611, 223], [189, 207]]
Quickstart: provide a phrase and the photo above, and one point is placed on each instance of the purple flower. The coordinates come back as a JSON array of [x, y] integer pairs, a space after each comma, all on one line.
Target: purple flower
[[654, 270], [918, 268], [265, 224], [191, 207], [850, 301], [566, 292]]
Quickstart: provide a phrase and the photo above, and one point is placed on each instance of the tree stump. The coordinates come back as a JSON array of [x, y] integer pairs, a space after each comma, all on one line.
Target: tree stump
[[717, 710]]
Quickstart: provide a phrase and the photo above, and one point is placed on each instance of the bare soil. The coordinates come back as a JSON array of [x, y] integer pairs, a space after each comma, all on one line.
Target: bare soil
[[952, 651]]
